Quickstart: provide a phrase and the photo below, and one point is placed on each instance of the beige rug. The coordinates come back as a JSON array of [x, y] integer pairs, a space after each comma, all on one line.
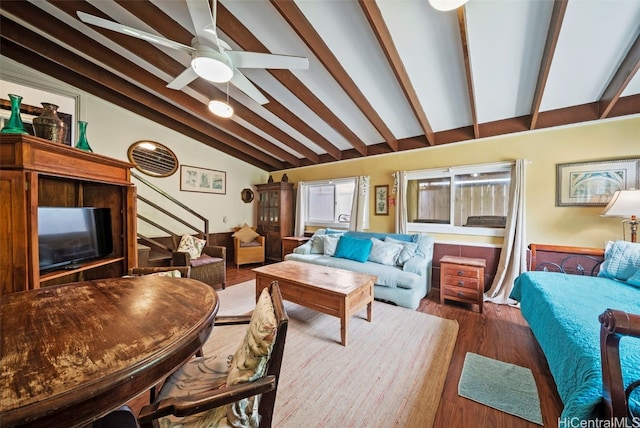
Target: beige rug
[[391, 373]]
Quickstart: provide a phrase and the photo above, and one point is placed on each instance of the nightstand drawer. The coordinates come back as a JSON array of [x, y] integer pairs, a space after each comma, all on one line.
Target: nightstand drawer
[[462, 281], [449, 270], [464, 294]]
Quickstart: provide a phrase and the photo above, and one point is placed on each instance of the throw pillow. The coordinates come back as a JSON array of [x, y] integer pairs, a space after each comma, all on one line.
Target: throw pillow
[[408, 250], [353, 248], [385, 253], [250, 360], [245, 234], [635, 279], [192, 245], [330, 242], [317, 244], [621, 260]]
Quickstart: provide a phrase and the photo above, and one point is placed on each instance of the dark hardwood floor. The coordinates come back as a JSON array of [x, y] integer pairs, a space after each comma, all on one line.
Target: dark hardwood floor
[[501, 333]]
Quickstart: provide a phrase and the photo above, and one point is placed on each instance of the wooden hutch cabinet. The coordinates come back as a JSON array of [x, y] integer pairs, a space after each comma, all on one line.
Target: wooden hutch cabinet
[[36, 172], [275, 216]]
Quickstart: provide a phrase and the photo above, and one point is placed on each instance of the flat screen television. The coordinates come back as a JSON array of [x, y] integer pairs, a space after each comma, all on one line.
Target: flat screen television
[[68, 236]]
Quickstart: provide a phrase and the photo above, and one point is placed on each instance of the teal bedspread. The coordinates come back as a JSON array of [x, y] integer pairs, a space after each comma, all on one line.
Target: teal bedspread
[[562, 311]]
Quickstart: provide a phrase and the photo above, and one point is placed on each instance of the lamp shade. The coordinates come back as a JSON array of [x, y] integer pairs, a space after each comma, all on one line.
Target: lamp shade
[[445, 5], [624, 203]]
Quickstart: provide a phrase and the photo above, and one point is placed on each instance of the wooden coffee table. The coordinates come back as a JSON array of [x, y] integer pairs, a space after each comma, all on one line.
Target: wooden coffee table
[[336, 292]]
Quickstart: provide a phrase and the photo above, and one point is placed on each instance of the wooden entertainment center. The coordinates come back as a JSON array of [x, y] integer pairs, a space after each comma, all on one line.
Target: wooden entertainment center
[[36, 172]]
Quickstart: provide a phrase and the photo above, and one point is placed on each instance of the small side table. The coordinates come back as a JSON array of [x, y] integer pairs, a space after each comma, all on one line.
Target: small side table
[[291, 242], [462, 279]]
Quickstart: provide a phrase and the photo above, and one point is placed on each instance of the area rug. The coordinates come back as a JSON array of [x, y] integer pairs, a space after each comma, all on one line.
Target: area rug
[[503, 386], [391, 373]]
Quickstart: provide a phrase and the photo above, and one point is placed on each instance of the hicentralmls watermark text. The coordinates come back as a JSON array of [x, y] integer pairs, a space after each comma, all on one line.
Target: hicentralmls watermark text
[[599, 423]]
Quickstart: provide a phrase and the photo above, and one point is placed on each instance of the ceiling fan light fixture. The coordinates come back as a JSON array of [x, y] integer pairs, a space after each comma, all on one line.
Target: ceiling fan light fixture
[[211, 65], [446, 5], [221, 108]]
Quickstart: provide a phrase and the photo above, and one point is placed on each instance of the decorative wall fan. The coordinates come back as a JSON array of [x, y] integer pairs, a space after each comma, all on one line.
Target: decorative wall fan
[[211, 58]]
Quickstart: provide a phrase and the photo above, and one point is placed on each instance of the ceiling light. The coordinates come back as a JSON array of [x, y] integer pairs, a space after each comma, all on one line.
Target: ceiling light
[[211, 65], [220, 108], [445, 5]]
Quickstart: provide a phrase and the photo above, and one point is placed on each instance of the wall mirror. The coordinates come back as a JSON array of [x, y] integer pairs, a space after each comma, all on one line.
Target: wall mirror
[[152, 158], [246, 195]]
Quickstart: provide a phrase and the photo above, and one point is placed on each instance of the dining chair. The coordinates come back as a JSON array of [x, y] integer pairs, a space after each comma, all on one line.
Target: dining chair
[[238, 391]]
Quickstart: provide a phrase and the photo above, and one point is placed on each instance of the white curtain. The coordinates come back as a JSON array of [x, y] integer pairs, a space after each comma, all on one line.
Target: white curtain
[[513, 257], [400, 186], [301, 209], [360, 208]]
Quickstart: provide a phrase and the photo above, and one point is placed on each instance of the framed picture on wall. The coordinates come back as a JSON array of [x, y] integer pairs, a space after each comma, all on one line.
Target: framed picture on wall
[[593, 183], [382, 200], [194, 179]]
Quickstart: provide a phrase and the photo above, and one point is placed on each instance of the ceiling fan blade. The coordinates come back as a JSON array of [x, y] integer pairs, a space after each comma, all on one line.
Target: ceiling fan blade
[[261, 60], [204, 21], [123, 29], [241, 82], [186, 77]]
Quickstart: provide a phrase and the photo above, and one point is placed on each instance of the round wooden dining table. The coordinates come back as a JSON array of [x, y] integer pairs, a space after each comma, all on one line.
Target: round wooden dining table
[[72, 353]]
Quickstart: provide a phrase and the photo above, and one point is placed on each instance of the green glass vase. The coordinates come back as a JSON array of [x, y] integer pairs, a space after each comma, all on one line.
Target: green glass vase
[[83, 143], [14, 124]]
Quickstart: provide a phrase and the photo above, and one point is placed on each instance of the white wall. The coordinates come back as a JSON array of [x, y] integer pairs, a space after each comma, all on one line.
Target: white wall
[[111, 130]]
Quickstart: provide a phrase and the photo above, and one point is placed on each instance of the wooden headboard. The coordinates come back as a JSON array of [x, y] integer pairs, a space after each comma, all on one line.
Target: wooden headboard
[[565, 259]]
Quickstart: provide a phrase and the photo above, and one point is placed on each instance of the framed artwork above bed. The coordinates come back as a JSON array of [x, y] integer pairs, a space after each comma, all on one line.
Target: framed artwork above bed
[[593, 183]]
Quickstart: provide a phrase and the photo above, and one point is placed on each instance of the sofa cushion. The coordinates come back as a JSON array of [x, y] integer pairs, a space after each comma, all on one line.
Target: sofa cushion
[[192, 245], [204, 259], [353, 248], [245, 233], [621, 260], [384, 252]]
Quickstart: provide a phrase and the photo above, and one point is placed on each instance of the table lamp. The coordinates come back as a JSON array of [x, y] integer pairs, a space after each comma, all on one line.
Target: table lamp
[[625, 203]]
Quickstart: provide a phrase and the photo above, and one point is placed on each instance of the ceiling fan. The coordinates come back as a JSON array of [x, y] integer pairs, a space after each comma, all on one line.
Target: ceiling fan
[[211, 58]]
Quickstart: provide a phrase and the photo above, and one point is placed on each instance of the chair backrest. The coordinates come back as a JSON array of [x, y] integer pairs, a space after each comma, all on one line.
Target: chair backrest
[[268, 399], [185, 271]]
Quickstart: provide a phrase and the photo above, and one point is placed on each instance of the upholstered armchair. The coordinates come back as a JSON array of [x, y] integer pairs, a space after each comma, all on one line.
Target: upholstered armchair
[[248, 246], [207, 262]]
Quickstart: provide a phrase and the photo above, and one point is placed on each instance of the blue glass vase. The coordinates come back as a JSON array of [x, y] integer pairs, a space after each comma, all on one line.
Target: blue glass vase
[[14, 124], [82, 143]]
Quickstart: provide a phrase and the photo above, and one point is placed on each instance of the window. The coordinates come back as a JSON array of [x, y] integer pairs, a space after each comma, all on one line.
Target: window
[[470, 199], [329, 202]]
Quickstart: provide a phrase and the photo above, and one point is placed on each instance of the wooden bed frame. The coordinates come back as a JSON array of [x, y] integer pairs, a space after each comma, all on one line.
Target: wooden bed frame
[[614, 323]]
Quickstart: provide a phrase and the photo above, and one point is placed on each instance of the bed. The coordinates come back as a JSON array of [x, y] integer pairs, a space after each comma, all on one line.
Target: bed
[[565, 302]]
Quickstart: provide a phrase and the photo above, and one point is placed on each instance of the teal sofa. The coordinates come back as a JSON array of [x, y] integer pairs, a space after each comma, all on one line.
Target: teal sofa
[[404, 282]]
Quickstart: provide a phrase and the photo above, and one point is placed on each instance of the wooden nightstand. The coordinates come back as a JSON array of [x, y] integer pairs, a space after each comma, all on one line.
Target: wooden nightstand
[[291, 242], [462, 279]]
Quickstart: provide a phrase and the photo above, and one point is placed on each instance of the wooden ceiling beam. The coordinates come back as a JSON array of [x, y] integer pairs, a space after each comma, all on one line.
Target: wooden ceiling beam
[[299, 23], [76, 39], [163, 24], [623, 75], [234, 29], [464, 41], [553, 33], [55, 53], [379, 27], [179, 124]]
